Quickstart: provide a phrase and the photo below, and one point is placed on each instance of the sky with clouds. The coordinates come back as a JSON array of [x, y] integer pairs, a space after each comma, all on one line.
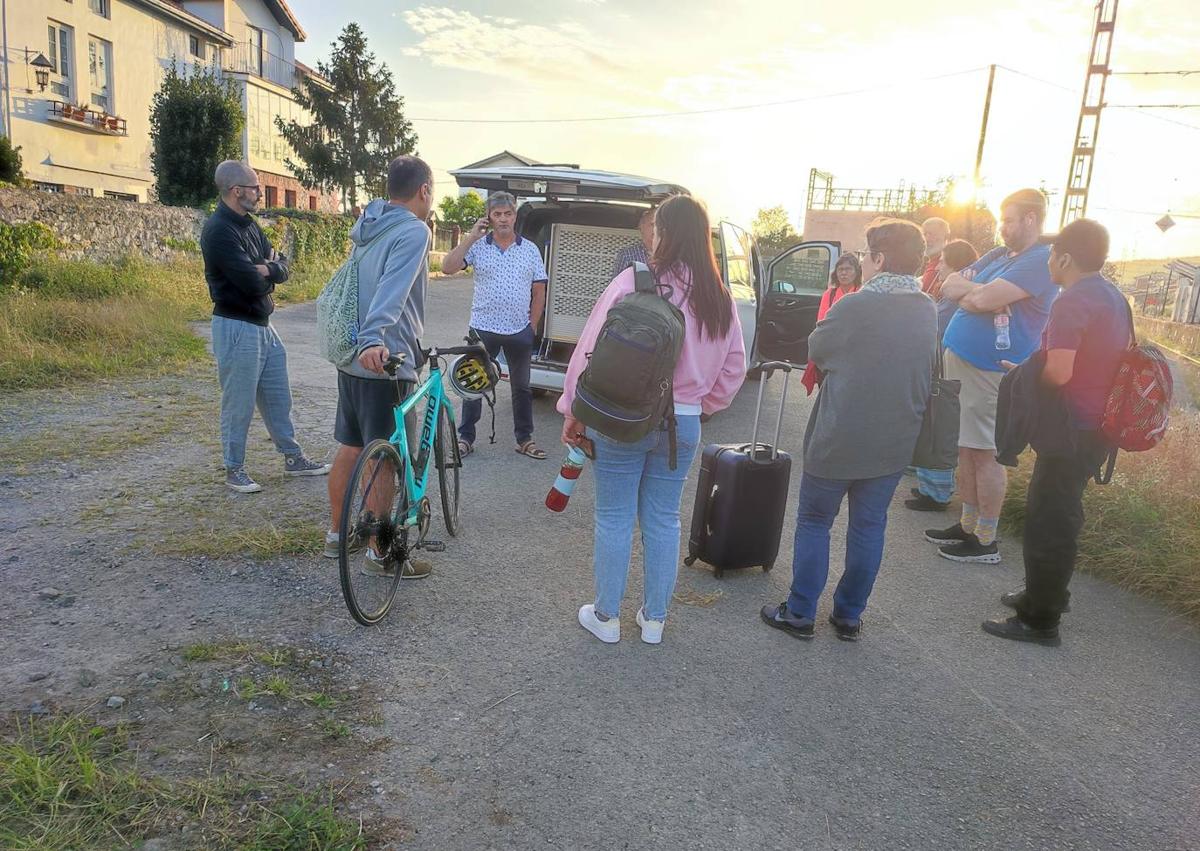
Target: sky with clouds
[[854, 88]]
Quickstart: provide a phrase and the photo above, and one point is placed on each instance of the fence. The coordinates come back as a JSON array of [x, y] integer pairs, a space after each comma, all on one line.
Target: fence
[[1172, 294], [445, 237]]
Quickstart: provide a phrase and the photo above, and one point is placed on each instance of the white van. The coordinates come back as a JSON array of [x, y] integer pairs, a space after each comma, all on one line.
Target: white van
[[581, 219]]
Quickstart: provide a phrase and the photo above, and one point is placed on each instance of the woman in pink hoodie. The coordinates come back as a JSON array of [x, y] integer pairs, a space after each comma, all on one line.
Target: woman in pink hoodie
[[634, 481]]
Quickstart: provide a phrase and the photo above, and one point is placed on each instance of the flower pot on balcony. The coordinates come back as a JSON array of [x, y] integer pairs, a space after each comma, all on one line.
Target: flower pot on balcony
[[79, 112], [112, 123]]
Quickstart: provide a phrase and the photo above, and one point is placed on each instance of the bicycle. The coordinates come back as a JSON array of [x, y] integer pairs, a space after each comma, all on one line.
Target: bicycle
[[386, 497]]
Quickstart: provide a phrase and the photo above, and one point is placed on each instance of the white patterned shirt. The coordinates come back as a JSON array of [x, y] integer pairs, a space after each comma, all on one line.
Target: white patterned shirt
[[504, 280]]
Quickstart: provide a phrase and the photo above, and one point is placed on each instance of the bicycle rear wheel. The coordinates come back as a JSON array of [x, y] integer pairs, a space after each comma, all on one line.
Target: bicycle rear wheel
[[449, 462], [374, 542]]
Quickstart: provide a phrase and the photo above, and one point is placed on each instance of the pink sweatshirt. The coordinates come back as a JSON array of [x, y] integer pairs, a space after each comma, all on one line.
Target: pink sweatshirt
[[709, 372]]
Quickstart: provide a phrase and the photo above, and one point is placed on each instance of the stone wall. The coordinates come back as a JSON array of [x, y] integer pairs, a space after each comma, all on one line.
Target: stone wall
[[102, 229], [1178, 335]]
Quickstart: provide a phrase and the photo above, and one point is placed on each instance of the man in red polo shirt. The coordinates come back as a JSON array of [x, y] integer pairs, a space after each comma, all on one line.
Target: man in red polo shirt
[[937, 234], [1085, 338]]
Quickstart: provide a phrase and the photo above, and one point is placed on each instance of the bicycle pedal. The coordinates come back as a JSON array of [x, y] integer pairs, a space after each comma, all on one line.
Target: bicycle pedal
[[434, 546]]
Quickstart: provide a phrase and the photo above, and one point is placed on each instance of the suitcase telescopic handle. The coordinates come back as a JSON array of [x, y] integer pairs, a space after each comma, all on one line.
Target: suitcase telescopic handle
[[766, 369]]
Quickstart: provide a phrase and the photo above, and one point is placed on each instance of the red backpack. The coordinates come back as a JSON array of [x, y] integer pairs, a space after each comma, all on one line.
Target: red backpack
[[1139, 405]]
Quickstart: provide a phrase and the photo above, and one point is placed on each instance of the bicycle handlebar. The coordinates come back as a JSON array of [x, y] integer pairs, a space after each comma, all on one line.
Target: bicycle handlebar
[[474, 347]]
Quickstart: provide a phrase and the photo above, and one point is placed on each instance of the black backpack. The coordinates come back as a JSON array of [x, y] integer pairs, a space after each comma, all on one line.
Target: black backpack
[[627, 389]]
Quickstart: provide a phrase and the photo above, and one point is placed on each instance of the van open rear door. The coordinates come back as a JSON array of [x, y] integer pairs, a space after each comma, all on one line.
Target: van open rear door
[[792, 291]]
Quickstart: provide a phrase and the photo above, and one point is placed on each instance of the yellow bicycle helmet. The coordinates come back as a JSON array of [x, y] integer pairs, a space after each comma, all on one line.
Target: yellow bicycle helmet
[[473, 376]]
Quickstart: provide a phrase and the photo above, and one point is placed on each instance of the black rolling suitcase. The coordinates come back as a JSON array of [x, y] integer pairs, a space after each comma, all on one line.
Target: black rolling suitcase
[[741, 496]]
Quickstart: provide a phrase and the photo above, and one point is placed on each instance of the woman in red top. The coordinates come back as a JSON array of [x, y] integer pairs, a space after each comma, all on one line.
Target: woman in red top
[[846, 279]]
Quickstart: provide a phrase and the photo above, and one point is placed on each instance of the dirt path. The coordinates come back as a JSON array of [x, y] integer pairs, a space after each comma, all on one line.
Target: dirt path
[[482, 714]]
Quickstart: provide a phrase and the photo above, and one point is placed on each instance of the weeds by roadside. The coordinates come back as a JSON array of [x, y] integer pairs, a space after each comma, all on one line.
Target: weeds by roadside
[[68, 783], [67, 321], [1143, 530]]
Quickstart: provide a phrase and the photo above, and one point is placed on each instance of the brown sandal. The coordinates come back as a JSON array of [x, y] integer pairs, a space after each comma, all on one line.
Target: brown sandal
[[531, 450]]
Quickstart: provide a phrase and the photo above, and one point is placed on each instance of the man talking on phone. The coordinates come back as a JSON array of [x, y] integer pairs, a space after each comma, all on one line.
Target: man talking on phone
[[510, 298]]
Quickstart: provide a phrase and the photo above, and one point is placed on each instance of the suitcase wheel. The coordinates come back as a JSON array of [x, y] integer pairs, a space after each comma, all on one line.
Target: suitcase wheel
[[767, 567], [689, 561], [718, 572]]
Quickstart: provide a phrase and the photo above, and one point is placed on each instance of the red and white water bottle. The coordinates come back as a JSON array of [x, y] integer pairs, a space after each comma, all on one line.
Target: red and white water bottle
[[564, 485]]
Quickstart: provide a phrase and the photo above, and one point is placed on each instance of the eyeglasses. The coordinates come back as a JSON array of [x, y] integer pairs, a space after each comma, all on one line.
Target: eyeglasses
[[256, 187]]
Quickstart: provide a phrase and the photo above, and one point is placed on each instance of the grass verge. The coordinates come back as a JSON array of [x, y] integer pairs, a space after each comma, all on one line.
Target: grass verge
[[1143, 530], [264, 541], [68, 783], [70, 321]]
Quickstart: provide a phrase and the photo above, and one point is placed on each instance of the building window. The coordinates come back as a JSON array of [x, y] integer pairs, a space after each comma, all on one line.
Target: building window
[[100, 7], [83, 190], [55, 188], [289, 198], [272, 196], [196, 47], [257, 57], [100, 72], [60, 39], [120, 196], [312, 202]]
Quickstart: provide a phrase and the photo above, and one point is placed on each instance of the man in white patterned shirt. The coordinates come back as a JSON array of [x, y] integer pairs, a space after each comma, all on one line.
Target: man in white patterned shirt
[[639, 252], [510, 298]]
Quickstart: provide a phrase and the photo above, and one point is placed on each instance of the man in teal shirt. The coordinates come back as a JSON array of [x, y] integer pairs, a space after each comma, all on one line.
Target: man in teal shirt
[[1004, 302]]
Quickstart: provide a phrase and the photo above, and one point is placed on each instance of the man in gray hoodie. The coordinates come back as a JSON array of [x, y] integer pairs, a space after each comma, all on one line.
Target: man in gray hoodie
[[392, 278]]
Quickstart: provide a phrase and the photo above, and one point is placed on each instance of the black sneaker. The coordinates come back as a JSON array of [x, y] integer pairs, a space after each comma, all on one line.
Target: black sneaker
[[780, 618], [942, 537], [925, 503], [1016, 629], [1013, 597], [971, 551], [846, 630]]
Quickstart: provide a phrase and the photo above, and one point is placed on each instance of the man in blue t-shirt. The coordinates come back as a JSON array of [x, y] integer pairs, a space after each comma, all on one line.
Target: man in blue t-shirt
[[1090, 330], [1003, 301]]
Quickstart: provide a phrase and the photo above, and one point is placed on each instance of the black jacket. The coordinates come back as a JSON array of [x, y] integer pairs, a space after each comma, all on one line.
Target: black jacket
[[1028, 413], [232, 245]]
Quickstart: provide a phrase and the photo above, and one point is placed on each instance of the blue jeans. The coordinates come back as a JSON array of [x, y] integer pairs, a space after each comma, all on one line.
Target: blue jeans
[[634, 481], [252, 366], [820, 501]]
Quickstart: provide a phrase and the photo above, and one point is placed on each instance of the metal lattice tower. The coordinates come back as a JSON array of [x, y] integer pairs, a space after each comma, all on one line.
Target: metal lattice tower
[[1083, 156]]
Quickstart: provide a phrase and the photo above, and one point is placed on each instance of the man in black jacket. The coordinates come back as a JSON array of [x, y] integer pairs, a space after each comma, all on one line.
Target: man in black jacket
[[242, 270]]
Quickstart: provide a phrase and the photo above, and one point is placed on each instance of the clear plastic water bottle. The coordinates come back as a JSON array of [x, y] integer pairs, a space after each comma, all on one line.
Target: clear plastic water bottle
[[564, 485], [1003, 340]]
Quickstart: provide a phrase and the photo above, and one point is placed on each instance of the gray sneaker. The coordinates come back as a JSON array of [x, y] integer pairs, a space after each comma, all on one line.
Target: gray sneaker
[[239, 480], [373, 565], [299, 465], [332, 543]]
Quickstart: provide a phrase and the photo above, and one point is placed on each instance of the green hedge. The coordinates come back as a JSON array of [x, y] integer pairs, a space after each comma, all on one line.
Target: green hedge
[[18, 244], [306, 236]]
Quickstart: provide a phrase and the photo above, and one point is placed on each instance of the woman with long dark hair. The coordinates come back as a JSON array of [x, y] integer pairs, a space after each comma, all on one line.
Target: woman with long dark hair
[[846, 278], [634, 481]]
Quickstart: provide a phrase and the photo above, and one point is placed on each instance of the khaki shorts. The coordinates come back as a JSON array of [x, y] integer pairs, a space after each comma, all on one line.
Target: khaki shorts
[[980, 390]]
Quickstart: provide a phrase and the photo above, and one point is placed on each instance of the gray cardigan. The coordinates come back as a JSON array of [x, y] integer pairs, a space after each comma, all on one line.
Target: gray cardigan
[[878, 354]]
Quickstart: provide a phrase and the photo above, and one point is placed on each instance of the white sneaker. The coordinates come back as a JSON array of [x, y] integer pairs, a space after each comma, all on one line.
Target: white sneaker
[[651, 630], [608, 631]]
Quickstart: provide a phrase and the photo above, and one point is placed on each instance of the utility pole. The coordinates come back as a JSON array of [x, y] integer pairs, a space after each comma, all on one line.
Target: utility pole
[[6, 103], [987, 109], [1087, 131]]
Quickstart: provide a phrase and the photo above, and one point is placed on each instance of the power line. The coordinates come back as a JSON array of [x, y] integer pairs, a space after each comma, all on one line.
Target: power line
[[1135, 108], [1152, 73], [687, 112], [1152, 105], [1171, 213]]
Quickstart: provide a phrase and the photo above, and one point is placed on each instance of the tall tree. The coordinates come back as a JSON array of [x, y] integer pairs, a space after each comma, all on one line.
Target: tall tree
[[463, 210], [773, 230], [196, 122], [358, 123]]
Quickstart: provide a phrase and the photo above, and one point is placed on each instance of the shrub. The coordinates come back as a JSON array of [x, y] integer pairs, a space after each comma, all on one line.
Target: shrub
[[309, 236], [18, 244], [10, 161], [195, 122]]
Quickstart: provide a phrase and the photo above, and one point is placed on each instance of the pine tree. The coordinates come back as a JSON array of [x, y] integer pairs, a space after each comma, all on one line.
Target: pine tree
[[358, 123]]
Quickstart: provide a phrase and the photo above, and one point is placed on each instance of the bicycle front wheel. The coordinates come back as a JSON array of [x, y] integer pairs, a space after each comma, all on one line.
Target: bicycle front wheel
[[374, 541], [449, 462]]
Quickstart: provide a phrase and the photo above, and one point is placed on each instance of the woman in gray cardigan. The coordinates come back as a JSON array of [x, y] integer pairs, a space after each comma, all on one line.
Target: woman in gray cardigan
[[876, 350]]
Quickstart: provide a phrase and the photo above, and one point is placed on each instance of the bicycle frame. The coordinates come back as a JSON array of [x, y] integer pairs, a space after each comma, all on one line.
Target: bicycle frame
[[416, 470]]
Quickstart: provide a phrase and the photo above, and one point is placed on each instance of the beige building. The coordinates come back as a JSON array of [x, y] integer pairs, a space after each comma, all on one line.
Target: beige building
[[88, 130]]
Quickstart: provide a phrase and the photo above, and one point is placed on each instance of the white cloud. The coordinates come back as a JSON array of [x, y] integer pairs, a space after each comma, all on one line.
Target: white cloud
[[507, 47]]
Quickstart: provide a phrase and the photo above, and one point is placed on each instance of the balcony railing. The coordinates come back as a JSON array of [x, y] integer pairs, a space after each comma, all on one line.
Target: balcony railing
[[87, 119], [248, 58]]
